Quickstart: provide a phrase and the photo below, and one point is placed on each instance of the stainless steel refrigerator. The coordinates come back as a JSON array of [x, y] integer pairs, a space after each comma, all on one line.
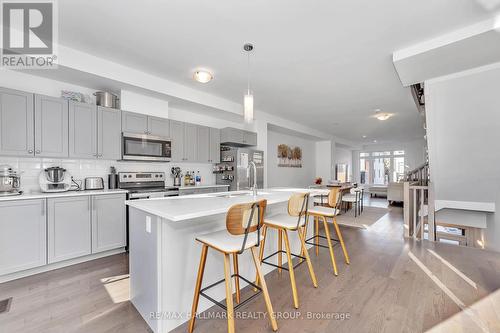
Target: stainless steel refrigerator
[[232, 170]]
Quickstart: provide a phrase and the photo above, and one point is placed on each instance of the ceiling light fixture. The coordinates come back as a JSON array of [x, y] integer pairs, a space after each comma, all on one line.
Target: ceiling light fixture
[[382, 115], [202, 76], [364, 136], [248, 98]]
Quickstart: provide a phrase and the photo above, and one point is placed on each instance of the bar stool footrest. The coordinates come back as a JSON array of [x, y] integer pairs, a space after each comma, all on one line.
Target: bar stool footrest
[[282, 267], [309, 241], [224, 307]]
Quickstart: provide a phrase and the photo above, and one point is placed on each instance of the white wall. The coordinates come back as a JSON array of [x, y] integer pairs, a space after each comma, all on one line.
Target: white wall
[[463, 121], [324, 160], [132, 101], [279, 176]]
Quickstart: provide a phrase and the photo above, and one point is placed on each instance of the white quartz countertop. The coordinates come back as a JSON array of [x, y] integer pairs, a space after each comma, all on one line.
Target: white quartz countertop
[[199, 205], [42, 195], [200, 186]]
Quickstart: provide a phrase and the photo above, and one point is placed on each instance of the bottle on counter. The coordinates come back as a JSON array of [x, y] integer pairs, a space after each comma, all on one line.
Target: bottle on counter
[[198, 178], [187, 179], [193, 178]]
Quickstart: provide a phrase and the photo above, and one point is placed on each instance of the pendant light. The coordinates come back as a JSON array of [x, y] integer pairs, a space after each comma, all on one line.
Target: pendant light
[[248, 98]]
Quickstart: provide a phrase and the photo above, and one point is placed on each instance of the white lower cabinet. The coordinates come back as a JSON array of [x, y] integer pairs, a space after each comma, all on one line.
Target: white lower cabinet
[[69, 228], [22, 235], [108, 222]]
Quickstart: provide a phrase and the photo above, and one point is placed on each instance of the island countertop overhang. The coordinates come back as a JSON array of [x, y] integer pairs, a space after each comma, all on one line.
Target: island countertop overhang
[[177, 209]]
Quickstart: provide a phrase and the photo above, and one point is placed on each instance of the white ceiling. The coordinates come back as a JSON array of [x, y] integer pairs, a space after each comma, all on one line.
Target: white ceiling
[[326, 64]]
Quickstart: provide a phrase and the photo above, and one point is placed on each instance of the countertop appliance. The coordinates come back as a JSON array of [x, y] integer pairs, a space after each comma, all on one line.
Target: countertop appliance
[[143, 147], [10, 181], [94, 183], [233, 168], [54, 179]]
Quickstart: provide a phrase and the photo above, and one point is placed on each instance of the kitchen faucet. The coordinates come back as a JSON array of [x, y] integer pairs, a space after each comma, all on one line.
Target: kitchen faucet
[[254, 166]]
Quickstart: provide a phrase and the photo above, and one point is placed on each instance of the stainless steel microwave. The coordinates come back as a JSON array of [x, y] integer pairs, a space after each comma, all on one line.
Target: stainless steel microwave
[[143, 147]]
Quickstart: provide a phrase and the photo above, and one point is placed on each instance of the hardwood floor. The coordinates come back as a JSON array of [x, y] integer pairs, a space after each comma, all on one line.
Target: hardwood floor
[[392, 285]]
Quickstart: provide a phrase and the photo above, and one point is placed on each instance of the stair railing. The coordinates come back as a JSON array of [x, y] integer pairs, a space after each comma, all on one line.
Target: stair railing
[[419, 210]]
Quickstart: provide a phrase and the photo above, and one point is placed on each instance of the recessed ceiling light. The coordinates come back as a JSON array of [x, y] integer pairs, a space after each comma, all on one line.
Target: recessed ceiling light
[[202, 76], [374, 141], [364, 136], [382, 115]]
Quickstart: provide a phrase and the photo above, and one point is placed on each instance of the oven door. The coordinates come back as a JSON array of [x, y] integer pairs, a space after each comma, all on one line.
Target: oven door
[[141, 147]]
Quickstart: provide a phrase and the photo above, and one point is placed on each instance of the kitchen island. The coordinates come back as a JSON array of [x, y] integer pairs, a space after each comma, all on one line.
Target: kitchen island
[[164, 254]]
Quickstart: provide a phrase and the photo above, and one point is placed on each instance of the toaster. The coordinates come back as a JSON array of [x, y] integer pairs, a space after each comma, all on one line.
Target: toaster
[[94, 183]]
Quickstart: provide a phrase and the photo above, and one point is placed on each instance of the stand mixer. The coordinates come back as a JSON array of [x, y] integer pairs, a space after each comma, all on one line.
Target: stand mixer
[[54, 179]]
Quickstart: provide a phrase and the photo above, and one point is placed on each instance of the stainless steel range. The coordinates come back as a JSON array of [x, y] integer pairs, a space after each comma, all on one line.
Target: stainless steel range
[[144, 185]]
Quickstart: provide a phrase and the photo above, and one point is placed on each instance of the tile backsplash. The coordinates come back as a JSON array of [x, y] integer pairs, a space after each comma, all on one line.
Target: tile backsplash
[[30, 169]]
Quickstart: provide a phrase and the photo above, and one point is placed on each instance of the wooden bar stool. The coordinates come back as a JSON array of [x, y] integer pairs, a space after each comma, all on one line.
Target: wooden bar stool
[[294, 220], [243, 224], [325, 213]]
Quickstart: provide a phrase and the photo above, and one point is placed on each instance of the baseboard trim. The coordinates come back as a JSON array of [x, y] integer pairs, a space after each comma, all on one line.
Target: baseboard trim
[[57, 265]]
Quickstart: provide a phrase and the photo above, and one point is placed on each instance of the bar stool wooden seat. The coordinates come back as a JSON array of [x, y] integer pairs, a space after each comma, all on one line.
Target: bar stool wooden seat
[[243, 224], [294, 220], [326, 213]]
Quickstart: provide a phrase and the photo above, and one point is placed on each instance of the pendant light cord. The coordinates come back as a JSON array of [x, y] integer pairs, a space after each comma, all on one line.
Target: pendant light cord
[[248, 72]]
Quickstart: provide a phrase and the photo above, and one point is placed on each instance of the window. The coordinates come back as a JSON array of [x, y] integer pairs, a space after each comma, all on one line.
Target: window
[[381, 167]]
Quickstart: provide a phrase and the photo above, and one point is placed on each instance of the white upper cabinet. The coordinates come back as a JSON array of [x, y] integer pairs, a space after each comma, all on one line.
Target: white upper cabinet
[[51, 126], [108, 133], [159, 126], [82, 130], [134, 122], [16, 123], [143, 124], [236, 137]]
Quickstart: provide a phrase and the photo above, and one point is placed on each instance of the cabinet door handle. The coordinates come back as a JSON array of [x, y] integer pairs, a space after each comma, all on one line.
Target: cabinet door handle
[[43, 207], [37, 152], [30, 151]]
